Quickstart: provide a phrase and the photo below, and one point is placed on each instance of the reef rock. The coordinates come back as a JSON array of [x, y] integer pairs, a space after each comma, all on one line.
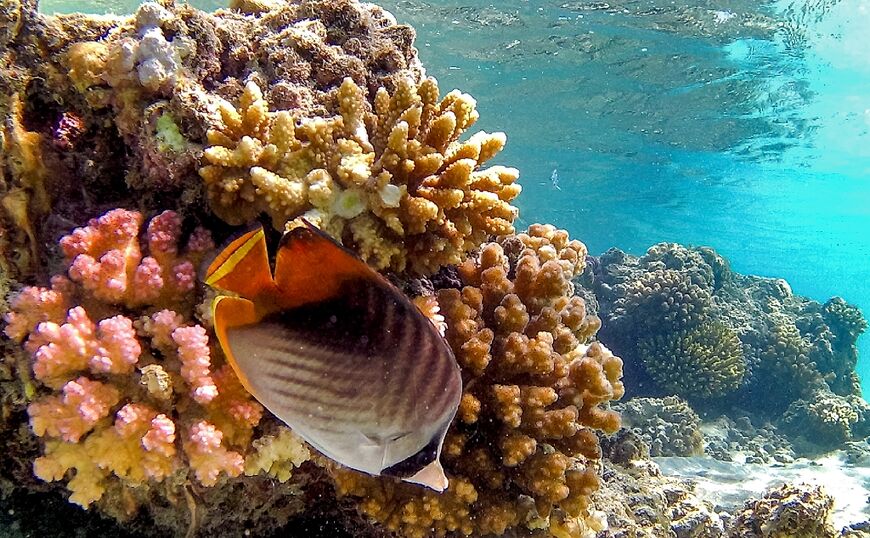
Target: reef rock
[[686, 324], [667, 425], [788, 511]]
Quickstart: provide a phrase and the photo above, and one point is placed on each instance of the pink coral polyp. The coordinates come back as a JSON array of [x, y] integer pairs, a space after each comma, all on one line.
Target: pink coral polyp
[[82, 404]]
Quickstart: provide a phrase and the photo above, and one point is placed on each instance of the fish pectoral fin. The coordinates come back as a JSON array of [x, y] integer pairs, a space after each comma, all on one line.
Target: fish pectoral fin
[[379, 446], [227, 313], [369, 454]]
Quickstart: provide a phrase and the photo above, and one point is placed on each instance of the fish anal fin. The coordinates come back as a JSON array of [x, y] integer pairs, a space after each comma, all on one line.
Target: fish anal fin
[[431, 476], [242, 267], [311, 266], [227, 313]]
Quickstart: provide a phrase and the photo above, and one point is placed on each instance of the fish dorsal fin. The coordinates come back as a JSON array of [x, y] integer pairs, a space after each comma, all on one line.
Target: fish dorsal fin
[[311, 266], [242, 267]]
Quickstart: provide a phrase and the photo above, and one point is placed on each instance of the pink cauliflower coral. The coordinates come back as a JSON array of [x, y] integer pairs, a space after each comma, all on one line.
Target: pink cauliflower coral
[[207, 457], [33, 305], [83, 403], [195, 362], [106, 258], [61, 350], [124, 366]]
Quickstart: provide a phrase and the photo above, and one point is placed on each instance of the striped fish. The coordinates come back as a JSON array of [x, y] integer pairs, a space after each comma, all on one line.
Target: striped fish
[[339, 354]]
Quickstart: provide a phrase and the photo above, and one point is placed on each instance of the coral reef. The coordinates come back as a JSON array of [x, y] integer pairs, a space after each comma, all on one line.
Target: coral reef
[[358, 139], [788, 511], [114, 394], [394, 183], [134, 410], [667, 425], [123, 103], [705, 362], [678, 309], [522, 452], [826, 421]]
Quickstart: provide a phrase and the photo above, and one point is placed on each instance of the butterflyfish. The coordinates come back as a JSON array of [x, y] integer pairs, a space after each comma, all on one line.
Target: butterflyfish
[[338, 353]]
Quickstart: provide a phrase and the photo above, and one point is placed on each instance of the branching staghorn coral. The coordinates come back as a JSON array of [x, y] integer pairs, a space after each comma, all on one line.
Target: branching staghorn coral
[[133, 395], [393, 182], [522, 452]]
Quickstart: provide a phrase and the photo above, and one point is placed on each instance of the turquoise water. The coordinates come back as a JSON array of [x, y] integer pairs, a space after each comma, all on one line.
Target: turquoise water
[[739, 125], [736, 124]]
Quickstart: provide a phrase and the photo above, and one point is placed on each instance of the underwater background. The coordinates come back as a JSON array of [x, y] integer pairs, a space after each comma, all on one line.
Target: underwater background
[[740, 125], [652, 392]]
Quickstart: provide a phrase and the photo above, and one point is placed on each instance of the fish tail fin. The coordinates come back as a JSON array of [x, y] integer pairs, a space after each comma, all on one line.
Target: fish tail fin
[[242, 267], [432, 476]]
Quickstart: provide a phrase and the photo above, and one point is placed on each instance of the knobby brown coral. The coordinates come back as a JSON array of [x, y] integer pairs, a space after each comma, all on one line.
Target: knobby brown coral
[[705, 362], [521, 452], [131, 401], [393, 182]]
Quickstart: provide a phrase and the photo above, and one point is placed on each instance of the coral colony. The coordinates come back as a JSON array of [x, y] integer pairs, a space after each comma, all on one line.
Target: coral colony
[[131, 145], [133, 399]]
